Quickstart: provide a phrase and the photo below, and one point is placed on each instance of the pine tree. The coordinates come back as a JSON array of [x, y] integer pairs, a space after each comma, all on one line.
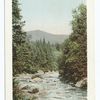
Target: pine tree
[[43, 57], [19, 36], [73, 63], [17, 24]]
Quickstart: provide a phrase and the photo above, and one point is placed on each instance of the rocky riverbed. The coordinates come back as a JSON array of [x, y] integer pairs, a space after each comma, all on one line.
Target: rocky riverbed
[[47, 86]]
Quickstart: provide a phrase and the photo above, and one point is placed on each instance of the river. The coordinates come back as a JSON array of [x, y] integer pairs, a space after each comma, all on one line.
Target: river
[[51, 88]]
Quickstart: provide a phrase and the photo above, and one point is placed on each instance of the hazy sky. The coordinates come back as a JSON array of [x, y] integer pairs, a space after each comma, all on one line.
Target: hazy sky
[[52, 16]]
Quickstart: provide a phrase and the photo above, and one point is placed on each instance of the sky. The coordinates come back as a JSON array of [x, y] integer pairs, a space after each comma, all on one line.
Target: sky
[[53, 16]]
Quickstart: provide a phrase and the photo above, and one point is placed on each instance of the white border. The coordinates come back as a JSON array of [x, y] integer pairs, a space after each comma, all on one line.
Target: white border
[[97, 48], [8, 50], [90, 49], [1, 49]]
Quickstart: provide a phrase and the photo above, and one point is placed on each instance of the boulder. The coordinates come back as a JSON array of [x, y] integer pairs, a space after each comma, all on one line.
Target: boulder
[[40, 72], [37, 80], [36, 76], [82, 83], [25, 87], [35, 90]]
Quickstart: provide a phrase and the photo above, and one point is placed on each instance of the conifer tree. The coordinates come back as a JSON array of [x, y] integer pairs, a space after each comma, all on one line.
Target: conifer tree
[[19, 36], [17, 24], [73, 63]]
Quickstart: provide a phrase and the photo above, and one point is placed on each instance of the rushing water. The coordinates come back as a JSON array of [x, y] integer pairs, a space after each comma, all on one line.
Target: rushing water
[[56, 90], [51, 88]]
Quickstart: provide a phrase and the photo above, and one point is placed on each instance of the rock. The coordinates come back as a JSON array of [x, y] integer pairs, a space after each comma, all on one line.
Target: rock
[[25, 87], [82, 83], [55, 81], [37, 79], [36, 76], [72, 84], [35, 90], [40, 72]]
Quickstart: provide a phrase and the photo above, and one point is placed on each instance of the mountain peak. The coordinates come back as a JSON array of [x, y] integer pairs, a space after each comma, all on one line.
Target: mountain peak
[[38, 30], [39, 34]]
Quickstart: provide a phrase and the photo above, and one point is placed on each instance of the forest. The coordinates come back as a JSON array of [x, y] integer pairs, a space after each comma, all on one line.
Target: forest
[[68, 58]]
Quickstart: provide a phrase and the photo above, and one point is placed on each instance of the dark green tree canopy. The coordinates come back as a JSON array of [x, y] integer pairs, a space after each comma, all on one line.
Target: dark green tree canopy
[[17, 24], [73, 63]]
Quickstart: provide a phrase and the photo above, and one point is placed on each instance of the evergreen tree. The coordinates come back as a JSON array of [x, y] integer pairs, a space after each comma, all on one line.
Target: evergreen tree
[[73, 63], [19, 39], [17, 24], [43, 57]]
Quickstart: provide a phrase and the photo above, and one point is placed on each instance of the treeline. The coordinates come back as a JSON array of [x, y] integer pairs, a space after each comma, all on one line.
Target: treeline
[[34, 56], [73, 62], [43, 56]]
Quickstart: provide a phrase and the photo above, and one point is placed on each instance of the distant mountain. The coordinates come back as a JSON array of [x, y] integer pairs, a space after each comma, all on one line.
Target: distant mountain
[[38, 34]]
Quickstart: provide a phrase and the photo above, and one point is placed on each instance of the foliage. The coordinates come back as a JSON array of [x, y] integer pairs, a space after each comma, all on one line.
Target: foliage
[[73, 62], [17, 94], [19, 36], [43, 57], [24, 62]]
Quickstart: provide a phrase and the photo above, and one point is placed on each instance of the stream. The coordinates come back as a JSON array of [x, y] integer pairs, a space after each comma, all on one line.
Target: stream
[[51, 88]]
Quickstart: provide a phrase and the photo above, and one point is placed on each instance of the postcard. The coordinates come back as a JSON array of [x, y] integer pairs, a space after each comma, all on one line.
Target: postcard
[[49, 49]]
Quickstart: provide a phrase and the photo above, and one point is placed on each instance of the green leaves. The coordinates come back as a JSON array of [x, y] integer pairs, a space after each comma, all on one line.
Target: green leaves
[[79, 24], [43, 57], [73, 64], [19, 36], [20, 53]]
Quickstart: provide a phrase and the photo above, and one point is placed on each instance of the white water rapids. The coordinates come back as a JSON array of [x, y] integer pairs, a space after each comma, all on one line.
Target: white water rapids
[[51, 88]]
